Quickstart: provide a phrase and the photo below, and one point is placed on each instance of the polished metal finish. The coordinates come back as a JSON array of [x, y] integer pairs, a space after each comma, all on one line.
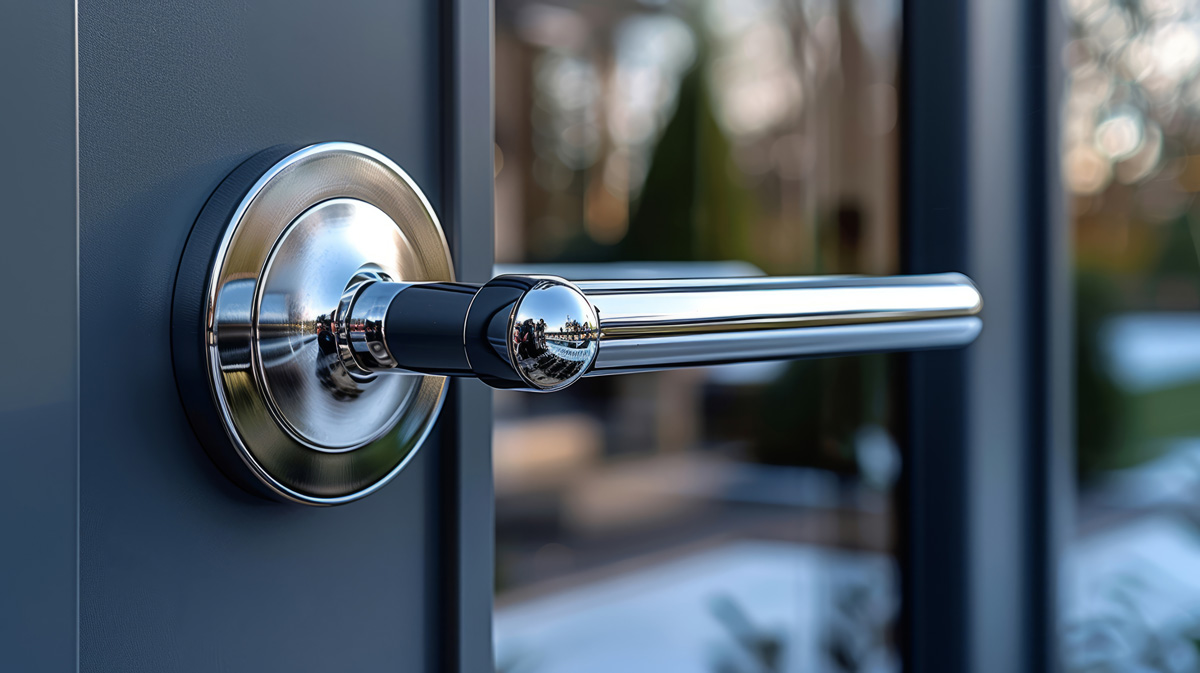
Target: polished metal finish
[[332, 319], [555, 335], [711, 348], [308, 238], [315, 398], [660, 324], [537, 333], [542, 333], [359, 330]]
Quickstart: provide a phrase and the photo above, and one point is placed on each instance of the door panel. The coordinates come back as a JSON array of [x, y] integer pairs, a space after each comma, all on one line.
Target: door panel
[[179, 569], [37, 274]]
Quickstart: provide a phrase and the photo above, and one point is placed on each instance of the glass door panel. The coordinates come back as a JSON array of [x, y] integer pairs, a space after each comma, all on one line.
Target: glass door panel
[[728, 519]]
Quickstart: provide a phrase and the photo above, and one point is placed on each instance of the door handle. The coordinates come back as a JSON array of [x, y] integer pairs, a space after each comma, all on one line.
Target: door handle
[[543, 333], [316, 319]]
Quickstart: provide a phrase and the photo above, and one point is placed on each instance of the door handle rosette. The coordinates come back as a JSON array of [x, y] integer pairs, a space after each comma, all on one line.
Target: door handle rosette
[[312, 347]]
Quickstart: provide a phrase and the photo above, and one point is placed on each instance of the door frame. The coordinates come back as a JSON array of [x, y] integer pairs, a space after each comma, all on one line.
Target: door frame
[[985, 501], [465, 456]]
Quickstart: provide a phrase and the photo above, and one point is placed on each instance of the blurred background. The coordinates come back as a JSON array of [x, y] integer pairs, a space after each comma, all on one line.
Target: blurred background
[[743, 519], [1131, 163]]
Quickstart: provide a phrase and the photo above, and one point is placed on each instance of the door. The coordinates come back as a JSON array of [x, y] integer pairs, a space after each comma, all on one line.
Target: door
[[128, 116], [136, 552]]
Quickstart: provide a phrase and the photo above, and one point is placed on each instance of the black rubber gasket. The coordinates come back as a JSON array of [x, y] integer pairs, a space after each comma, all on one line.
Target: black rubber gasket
[[188, 315]]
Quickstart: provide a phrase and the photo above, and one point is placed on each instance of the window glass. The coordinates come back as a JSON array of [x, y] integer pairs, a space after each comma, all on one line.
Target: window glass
[[1131, 160], [727, 519]]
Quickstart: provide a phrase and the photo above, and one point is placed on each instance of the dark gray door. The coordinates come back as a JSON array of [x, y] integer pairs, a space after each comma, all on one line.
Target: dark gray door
[[123, 548], [129, 550]]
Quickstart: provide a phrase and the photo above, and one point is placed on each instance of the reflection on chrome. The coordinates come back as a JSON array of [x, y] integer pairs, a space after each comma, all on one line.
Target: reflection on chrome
[[659, 324], [555, 335], [298, 361], [275, 404]]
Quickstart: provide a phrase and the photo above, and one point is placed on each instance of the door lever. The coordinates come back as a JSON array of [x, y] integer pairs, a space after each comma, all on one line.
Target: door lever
[[543, 333], [316, 319]]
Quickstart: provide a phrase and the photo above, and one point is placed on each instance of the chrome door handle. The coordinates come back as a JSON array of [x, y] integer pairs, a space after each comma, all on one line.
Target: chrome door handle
[[316, 319], [543, 333]]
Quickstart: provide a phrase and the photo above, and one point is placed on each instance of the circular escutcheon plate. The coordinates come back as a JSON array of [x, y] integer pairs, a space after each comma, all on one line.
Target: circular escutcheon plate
[[280, 242]]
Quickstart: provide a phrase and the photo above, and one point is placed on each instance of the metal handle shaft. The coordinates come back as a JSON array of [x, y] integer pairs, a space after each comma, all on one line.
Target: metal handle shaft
[[543, 332], [654, 324]]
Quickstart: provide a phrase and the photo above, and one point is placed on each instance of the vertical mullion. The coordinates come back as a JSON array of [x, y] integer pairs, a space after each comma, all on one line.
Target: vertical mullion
[[933, 540], [987, 469], [1051, 446], [1000, 375], [467, 548]]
